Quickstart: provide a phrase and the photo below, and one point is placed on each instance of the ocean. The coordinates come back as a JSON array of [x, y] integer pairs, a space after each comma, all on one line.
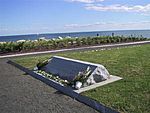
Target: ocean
[[144, 33]]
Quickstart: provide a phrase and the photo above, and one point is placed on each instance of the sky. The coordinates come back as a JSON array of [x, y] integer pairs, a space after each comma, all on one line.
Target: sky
[[55, 16]]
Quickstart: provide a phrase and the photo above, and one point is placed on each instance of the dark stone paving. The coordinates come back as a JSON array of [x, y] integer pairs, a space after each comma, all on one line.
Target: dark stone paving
[[20, 93]]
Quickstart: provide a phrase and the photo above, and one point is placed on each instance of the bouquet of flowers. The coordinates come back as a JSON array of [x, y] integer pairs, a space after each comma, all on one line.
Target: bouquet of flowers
[[81, 78], [77, 83], [53, 77]]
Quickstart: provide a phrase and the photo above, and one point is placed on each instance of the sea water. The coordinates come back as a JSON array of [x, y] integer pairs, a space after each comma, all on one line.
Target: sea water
[[144, 33]]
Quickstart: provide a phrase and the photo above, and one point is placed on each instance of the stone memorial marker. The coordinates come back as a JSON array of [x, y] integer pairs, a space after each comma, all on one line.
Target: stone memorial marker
[[68, 69], [72, 93]]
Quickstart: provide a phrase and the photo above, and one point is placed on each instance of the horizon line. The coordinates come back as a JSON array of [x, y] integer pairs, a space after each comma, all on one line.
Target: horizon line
[[74, 32]]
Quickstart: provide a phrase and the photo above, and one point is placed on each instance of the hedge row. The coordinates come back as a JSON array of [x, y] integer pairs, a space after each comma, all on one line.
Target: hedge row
[[40, 45]]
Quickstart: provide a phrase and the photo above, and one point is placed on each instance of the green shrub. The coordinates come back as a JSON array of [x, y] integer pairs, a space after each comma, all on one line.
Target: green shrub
[[64, 43], [42, 64]]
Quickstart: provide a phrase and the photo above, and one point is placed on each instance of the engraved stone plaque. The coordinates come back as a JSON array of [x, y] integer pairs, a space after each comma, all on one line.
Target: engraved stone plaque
[[68, 69]]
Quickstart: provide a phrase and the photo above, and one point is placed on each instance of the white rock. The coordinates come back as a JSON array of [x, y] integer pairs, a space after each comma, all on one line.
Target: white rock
[[21, 40], [98, 75], [68, 37], [60, 37], [2, 42], [66, 81], [78, 85], [36, 68]]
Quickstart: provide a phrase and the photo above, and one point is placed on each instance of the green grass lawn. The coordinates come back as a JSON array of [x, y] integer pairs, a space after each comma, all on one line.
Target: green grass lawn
[[130, 95]]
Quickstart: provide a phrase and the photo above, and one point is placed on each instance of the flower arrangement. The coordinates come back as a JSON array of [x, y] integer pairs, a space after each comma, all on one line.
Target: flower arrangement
[[81, 78], [53, 77], [77, 82]]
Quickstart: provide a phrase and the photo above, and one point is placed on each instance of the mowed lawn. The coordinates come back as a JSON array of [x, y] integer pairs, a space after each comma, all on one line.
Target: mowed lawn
[[130, 95]]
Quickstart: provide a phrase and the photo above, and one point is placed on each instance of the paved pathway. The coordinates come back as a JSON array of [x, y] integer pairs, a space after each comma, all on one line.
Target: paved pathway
[[20, 93], [80, 48]]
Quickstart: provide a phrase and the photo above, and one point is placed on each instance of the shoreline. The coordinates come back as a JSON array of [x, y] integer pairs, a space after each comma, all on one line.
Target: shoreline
[[35, 36], [78, 49]]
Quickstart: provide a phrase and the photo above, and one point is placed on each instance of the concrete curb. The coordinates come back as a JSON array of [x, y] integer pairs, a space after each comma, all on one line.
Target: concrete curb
[[81, 48], [110, 80]]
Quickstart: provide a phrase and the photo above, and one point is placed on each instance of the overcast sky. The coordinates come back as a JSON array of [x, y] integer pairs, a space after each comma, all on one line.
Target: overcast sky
[[49, 16]]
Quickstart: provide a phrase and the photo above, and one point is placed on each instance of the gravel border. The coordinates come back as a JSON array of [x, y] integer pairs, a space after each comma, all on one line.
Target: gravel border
[[20, 93]]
